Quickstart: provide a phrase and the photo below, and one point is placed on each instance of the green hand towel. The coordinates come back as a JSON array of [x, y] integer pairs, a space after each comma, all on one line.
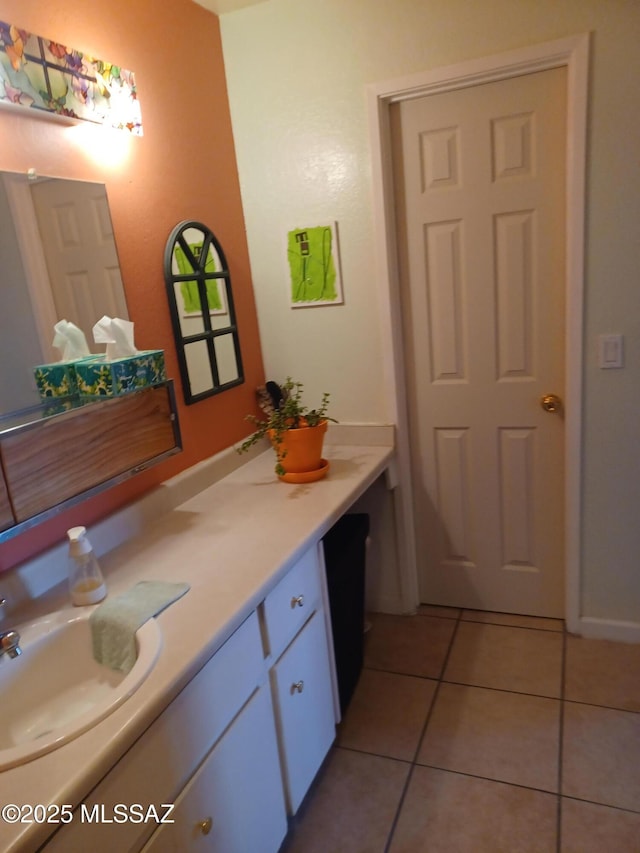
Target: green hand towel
[[114, 623]]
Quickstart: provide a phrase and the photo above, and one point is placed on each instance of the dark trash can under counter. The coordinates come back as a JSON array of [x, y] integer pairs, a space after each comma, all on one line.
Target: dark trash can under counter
[[345, 548]]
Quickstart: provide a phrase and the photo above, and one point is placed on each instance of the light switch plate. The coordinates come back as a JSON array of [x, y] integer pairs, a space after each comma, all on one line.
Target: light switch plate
[[610, 351]]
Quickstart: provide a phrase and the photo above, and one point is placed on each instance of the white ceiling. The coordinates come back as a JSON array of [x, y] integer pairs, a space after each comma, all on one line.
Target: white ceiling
[[222, 6]]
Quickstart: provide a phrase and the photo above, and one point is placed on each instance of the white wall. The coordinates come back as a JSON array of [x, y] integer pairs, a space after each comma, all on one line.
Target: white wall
[[297, 72]]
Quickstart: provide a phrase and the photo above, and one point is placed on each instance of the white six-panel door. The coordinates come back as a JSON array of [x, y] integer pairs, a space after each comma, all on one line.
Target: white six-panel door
[[77, 237], [480, 188]]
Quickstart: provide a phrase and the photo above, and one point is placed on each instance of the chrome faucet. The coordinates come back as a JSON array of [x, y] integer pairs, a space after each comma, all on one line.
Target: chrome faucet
[[9, 640]]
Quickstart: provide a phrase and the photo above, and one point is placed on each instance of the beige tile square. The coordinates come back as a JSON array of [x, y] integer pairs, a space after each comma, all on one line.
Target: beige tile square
[[600, 755], [506, 658], [601, 672], [387, 714], [513, 619], [587, 828], [351, 806], [451, 813], [509, 737], [413, 645]]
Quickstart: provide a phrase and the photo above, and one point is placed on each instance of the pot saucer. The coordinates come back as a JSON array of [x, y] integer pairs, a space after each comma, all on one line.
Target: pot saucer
[[306, 476]]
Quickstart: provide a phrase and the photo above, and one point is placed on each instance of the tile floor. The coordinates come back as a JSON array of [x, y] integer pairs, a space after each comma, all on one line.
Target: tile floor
[[472, 732]]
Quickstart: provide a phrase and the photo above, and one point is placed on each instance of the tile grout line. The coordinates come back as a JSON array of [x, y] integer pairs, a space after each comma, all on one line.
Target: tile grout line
[[412, 767], [624, 809], [510, 625], [562, 727], [563, 670], [470, 775], [501, 690], [599, 705], [488, 687]]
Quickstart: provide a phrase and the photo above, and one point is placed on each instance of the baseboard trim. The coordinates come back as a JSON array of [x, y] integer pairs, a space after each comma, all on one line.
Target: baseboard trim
[[608, 629], [385, 604]]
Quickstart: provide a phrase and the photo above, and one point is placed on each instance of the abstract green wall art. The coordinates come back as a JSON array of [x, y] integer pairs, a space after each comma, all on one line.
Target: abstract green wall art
[[314, 266], [189, 289]]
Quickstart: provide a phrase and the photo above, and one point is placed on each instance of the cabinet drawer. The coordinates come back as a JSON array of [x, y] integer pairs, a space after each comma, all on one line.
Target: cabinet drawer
[[301, 684], [289, 605], [160, 763], [234, 803]]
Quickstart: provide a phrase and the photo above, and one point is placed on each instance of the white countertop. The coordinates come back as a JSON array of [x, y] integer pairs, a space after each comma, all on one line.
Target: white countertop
[[231, 542]]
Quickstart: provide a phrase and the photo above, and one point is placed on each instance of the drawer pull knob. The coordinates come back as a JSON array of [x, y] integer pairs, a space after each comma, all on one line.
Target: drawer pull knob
[[205, 826], [297, 601], [297, 687]]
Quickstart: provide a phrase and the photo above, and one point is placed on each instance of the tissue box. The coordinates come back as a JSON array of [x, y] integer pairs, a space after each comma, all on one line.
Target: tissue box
[[58, 379], [102, 378]]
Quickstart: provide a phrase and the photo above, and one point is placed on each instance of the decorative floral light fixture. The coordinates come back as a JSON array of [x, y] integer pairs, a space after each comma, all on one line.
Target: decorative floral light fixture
[[41, 74]]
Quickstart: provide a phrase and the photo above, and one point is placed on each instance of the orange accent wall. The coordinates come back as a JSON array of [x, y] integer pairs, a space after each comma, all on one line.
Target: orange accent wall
[[184, 167]]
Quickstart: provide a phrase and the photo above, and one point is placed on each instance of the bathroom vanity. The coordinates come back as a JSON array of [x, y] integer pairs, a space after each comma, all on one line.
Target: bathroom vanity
[[224, 737]]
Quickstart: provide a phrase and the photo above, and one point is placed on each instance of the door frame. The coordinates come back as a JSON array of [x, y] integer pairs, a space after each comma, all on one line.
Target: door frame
[[573, 53], [34, 263]]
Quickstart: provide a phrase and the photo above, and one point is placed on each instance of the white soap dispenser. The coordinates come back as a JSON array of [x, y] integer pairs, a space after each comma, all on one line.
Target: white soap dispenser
[[86, 583]]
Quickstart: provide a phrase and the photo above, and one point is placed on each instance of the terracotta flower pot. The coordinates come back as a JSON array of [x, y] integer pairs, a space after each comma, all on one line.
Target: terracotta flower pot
[[300, 450]]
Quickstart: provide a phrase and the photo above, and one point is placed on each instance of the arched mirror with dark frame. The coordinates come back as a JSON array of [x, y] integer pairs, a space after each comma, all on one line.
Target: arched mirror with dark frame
[[202, 312]]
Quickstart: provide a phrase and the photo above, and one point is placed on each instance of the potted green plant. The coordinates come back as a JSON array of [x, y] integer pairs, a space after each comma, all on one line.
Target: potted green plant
[[295, 431]]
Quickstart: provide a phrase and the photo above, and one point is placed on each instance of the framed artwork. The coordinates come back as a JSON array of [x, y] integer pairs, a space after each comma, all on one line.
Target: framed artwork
[[314, 266]]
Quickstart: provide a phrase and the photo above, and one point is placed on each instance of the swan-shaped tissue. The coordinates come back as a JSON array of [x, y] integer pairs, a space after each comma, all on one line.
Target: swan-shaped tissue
[[70, 340], [117, 334]]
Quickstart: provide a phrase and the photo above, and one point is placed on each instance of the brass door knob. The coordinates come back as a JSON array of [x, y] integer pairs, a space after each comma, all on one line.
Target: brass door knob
[[205, 826], [551, 403]]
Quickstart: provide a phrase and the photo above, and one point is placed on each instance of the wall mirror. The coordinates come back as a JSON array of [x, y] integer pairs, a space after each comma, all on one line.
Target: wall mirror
[[202, 312], [59, 261]]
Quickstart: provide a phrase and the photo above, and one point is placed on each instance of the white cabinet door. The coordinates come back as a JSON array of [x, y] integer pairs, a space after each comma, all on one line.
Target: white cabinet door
[[302, 690], [234, 803]]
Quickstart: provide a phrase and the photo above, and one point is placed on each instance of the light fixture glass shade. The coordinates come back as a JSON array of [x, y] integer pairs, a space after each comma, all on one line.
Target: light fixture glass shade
[[40, 74]]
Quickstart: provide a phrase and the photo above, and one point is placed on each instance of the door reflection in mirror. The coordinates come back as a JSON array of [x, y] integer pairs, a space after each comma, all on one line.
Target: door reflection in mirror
[[59, 262]]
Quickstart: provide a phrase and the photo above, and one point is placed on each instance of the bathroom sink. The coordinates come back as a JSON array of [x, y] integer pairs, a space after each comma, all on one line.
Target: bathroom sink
[[55, 690]]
